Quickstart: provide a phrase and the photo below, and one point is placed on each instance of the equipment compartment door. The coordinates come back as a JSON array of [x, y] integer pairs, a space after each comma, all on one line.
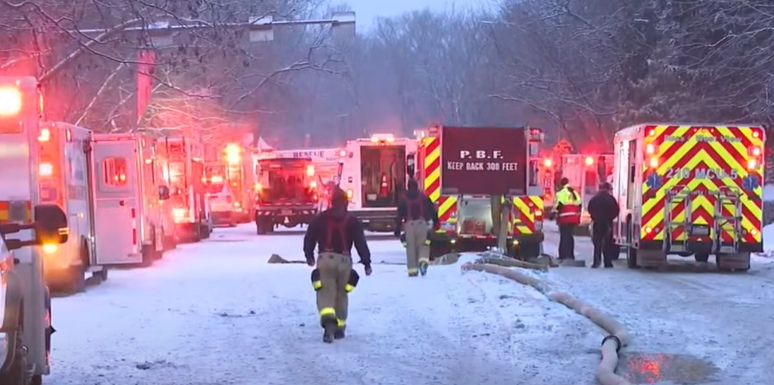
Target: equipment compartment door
[[117, 227]]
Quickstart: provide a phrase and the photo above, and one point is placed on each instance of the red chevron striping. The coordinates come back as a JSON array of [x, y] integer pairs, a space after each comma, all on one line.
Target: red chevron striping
[[433, 145], [433, 187]]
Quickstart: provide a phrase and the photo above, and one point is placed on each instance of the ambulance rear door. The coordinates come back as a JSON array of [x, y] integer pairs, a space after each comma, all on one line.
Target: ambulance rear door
[[117, 202]]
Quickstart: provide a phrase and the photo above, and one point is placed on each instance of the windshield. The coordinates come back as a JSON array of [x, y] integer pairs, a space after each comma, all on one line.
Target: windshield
[[287, 180], [214, 179]]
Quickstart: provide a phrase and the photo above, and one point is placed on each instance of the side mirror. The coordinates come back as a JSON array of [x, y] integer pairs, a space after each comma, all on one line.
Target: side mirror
[[164, 193], [50, 225]]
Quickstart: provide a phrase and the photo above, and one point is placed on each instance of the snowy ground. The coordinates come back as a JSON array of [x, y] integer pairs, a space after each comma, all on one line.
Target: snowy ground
[[217, 313], [722, 320]]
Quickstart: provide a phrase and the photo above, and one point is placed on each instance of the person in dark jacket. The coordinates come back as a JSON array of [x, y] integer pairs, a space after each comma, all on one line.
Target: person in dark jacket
[[603, 209], [416, 210], [334, 231]]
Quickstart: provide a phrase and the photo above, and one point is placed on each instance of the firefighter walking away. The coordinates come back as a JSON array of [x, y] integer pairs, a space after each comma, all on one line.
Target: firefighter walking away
[[568, 210], [334, 232], [603, 209], [417, 215]]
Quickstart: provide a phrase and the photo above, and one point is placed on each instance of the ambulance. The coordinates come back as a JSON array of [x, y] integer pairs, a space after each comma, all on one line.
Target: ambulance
[[127, 194], [66, 179], [585, 172], [185, 169], [374, 178], [691, 190], [42, 227]]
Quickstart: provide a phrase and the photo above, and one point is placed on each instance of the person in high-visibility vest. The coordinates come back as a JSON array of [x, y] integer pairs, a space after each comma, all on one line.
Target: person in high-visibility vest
[[568, 209]]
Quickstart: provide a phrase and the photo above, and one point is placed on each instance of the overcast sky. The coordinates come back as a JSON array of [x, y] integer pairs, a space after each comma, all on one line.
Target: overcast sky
[[368, 10]]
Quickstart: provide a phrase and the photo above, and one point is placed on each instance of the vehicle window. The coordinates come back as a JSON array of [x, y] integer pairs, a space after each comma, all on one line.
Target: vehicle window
[[114, 172]]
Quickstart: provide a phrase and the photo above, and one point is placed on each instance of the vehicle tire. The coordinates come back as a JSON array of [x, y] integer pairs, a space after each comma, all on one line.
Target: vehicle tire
[[17, 374], [631, 257], [259, 229], [36, 380], [529, 251], [158, 253], [149, 251], [701, 257], [75, 276]]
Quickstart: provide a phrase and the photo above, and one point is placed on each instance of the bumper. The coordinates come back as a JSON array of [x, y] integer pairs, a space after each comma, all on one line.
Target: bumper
[[702, 247], [482, 243], [377, 221], [223, 217], [284, 215]]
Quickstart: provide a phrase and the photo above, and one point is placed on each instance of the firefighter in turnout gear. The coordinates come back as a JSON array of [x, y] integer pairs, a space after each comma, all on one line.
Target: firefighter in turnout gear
[[418, 213], [568, 209], [334, 231], [603, 209]]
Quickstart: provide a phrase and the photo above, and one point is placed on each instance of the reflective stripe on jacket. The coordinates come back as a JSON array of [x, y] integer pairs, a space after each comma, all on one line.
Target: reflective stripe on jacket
[[570, 209]]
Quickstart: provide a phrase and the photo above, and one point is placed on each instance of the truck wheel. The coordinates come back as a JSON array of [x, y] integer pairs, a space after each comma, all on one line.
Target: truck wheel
[[75, 276], [259, 229], [701, 257], [169, 242], [17, 374], [529, 251]]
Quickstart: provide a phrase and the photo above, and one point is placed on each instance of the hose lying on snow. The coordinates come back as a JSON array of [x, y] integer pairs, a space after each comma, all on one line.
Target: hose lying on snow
[[611, 344]]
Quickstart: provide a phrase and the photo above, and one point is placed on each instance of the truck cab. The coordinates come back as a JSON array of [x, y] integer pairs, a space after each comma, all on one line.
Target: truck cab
[[374, 178], [25, 331]]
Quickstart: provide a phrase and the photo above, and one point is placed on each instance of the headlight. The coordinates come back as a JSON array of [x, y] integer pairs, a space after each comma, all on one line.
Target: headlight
[[3, 348], [179, 213]]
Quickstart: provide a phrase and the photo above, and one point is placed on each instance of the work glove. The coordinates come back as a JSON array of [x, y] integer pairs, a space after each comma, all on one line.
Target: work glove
[[310, 260], [397, 233]]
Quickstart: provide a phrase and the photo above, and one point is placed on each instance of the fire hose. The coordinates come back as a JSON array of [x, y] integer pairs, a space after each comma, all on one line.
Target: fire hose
[[616, 338]]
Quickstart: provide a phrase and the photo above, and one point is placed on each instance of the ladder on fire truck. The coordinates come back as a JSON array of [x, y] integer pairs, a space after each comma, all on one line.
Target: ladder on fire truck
[[674, 199], [727, 199]]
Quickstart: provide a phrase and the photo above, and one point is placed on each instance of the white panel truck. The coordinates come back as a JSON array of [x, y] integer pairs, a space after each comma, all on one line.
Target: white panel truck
[[66, 179], [374, 178], [25, 333], [185, 168], [128, 194]]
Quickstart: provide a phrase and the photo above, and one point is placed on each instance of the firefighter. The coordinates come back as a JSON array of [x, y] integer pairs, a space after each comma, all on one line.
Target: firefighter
[[417, 211], [334, 231], [568, 209], [603, 209]]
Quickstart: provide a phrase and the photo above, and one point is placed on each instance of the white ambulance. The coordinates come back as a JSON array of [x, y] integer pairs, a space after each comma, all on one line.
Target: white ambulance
[[128, 193], [374, 177], [26, 329], [66, 179]]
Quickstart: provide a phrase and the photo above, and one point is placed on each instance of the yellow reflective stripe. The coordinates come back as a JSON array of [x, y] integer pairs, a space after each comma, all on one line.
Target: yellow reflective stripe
[[327, 311], [317, 285], [424, 260], [427, 242], [411, 271], [341, 322], [349, 288]]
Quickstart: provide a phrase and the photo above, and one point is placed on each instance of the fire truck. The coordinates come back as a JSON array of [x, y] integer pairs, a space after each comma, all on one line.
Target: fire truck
[[374, 178], [462, 168], [42, 227], [128, 193], [287, 193], [185, 168], [66, 179], [689, 189]]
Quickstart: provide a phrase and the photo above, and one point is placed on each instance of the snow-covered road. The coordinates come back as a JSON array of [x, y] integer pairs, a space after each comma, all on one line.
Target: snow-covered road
[[217, 313], [722, 320]]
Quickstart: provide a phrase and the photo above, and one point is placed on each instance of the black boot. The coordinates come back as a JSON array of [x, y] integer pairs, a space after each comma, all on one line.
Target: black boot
[[329, 329], [339, 333]]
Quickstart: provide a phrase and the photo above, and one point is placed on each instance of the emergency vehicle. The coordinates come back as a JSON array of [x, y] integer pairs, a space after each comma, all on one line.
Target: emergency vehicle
[[185, 169], [585, 173], [689, 189], [28, 331], [222, 204], [128, 193], [165, 206], [374, 177], [286, 193], [66, 178], [461, 168]]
